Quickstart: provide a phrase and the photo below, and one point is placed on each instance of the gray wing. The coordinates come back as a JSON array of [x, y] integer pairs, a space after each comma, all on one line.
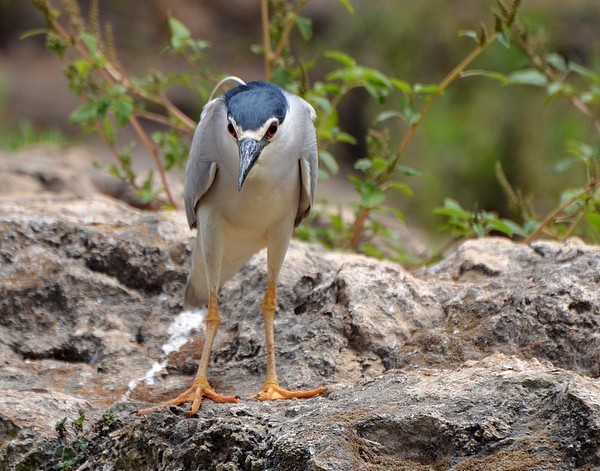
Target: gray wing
[[201, 167], [308, 164]]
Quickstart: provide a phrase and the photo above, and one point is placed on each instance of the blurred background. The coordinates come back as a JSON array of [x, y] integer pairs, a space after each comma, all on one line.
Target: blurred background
[[476, 124]]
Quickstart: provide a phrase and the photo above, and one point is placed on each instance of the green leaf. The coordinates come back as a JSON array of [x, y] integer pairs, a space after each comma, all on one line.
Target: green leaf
[[452, 212], [467, 33], [146, 193], [371, 251], [179, 33], [257, 48], [498, 225], [384, 116], [123, 110], [33, 32], [528, 77], [78, 422], [557, 61], [401, 85], [379, 165], [592, 96], [409, 171], [402, 188], [583, 71], [322, 103], [126, 173], [478, 230], [341, 57], [84, 113], [565, 164], [529, 226], [304, 25], [575, 203], [593, 219], [347, 75], [431, 89], [515, 228], [114, 171], [348, 6], [118, 90], [82, 67], [60, 425], [346, 138], [486, 73], [363, 164], [453, 209], [173, 148], [56, 44], [582, 150], [411, 115], [554, 88], [377, 78], [328, 160], [504, 39], [108, 131], [371, 196], [91, 43], [399, 215]]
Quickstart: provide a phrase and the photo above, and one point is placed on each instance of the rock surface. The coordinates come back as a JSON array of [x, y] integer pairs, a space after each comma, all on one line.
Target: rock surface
[[488, 360]]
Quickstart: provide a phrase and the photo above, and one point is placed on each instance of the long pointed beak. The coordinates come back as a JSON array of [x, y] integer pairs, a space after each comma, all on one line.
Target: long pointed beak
[[250, 150]]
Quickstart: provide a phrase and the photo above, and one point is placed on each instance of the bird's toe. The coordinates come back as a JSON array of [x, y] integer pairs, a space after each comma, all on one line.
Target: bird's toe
[[194, 394], [272, 392]]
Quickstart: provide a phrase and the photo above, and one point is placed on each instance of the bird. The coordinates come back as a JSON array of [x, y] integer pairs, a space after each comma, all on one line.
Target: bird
[[250, 179]]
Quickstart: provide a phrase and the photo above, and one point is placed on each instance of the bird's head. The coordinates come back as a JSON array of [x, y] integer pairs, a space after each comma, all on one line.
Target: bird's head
[[255, 112]]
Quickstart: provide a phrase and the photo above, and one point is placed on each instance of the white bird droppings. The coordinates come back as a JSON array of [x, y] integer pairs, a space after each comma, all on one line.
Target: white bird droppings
[[180, 332]]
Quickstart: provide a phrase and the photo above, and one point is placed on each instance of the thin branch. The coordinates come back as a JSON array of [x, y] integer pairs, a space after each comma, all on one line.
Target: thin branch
[[591, 186], [111, 76], [454, 74], [271, 56], [161, 119], [266, 37], [287, 29], [147, 142]]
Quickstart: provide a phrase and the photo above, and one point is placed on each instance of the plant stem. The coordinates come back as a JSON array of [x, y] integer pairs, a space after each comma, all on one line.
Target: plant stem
[[540, 64], [284, 39], [111, 76], [271, 56], [556, 211], [454, 74], [143, 136], [161, 119], [266, 38]]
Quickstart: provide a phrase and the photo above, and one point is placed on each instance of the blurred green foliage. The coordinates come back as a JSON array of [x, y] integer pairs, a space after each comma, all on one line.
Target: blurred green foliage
[[490, 144], [73, 444], [24, 133], [477, 123]]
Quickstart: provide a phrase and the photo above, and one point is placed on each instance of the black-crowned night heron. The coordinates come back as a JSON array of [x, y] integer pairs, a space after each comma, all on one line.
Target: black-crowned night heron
[[250, 179]]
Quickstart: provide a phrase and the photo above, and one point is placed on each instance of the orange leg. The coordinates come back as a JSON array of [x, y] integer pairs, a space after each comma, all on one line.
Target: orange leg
[[200, 387], [271, 389]]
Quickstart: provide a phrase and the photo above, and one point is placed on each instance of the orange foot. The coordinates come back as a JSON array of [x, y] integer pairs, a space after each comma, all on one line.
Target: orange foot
[[200, 388], [272, 391]]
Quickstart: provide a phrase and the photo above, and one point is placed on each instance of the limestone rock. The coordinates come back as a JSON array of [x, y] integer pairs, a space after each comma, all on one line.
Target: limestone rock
[[488, 360]]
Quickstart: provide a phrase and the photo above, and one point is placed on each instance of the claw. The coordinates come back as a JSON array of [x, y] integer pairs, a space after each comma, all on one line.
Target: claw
[[199, 389], [272, 391]]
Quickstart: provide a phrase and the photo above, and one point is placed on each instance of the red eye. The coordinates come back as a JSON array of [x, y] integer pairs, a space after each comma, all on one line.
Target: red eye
[[272, 130], [231, 130]]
